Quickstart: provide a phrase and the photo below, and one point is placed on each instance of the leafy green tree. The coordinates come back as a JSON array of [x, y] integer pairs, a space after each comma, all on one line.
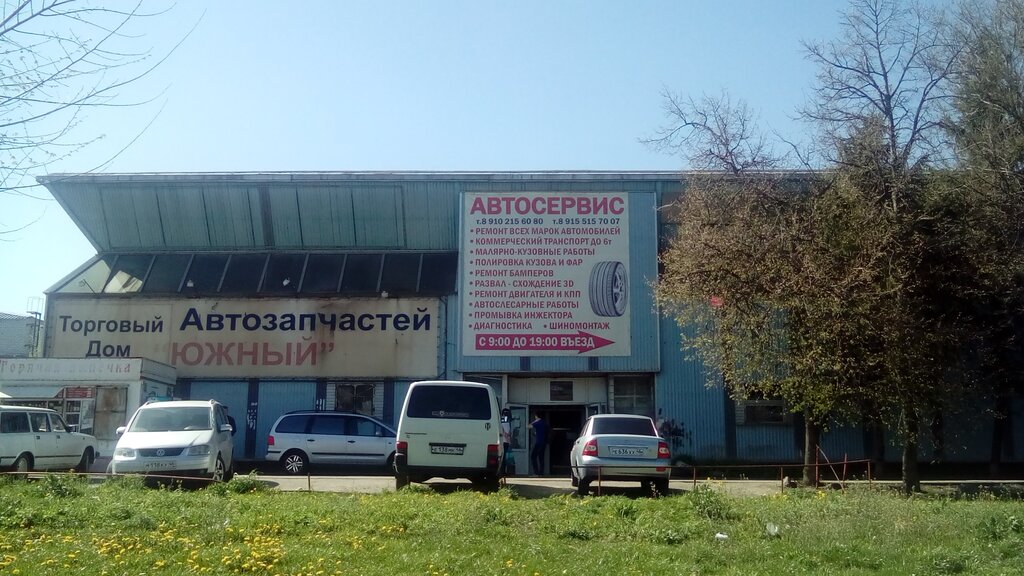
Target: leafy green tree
[[986, 123]]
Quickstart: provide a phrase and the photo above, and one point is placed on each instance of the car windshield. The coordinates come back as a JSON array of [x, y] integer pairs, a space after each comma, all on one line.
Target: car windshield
[[171, 419], [636, 426]]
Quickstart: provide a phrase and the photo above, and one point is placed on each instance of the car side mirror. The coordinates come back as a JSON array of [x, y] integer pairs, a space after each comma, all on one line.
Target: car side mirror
[[120, 430], [227, 428]]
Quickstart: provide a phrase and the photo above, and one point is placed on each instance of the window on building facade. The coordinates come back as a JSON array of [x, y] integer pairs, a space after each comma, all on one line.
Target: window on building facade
[[401, 273], [167, 273], [128, 273], [633, 395], [762, 411], [362, 274], [438, 275], [283, 274], [279, 273], [92, 279], [205, 273], [323, 274], [354, 398], [243, 274]]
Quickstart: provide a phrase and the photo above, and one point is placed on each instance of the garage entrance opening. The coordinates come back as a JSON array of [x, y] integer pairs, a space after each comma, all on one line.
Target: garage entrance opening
[[566, 423]]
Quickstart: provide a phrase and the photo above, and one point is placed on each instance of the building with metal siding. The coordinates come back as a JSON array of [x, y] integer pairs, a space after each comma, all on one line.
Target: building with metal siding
[[371, 228]]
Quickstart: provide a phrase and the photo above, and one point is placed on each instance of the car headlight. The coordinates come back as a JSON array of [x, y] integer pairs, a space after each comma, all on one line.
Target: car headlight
[[125, 453], [202, 450]]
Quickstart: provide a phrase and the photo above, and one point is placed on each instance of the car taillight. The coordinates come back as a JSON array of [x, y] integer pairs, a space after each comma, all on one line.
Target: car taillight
[[663, 450], [270, 440], [402, 447], [590, 448], [492, 455]]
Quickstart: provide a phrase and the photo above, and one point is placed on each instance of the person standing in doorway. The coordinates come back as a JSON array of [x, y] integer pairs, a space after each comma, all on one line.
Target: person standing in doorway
[[506, 440], [540, 442]]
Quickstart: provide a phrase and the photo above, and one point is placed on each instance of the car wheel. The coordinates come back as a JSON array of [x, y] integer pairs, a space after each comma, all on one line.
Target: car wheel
[[583, 486], [22, 465], [661, 487], [230, 472], [401, 481], [572, 476], [390, 462], [85, 462], [609, 289], [218, 471], [294, 462]]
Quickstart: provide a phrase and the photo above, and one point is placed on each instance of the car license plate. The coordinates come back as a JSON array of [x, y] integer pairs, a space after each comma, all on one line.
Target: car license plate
[[453, 449], [625, 451], [159, 465]]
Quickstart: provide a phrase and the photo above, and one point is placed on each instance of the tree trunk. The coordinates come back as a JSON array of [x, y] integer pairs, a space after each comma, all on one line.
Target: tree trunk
[[911, 474], [812, 439], [1002, 411]]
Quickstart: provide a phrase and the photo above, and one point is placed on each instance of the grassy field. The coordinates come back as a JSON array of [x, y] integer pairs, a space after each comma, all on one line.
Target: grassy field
[[61, 525]]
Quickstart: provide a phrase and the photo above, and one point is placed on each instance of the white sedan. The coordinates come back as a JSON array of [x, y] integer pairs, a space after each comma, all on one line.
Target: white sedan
[[620, 447]]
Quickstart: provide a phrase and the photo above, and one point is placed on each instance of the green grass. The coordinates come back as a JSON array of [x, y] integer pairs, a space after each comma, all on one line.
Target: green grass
[[61, 525]]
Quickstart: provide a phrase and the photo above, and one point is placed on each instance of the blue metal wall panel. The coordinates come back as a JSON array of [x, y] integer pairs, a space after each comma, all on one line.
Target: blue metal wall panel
[[228, 216], [847, 441], [147, 214], [284, 207], [326, 213], [766, 443], [431, 215], [378, 216], [234, 395], [119, 206], [276, 398], [683, 397], [183, 210]]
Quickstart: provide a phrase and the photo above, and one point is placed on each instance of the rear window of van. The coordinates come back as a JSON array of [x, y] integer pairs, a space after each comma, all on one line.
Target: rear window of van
[[456, 402]]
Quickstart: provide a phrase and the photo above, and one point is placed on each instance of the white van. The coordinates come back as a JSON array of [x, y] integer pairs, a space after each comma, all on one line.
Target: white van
[[39, 439], [449, 429]]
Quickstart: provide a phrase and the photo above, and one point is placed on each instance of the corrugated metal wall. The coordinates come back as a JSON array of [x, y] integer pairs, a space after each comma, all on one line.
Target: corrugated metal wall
[[232, 393], [682, 396], [276, 398]]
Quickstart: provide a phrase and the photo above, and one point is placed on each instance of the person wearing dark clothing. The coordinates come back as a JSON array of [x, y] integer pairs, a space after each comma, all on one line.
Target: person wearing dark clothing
[[540, 441]]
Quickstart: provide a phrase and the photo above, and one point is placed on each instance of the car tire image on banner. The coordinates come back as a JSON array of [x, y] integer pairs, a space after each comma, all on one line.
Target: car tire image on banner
[[609, 289]]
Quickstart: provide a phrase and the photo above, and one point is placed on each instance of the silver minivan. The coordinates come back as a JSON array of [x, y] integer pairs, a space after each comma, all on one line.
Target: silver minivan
[[449, 429], [299, 439], [39, 439], [189, 438]]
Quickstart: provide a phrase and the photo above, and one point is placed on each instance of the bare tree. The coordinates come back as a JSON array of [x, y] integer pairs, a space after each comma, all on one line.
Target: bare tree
[[59, 58], [884, 74]]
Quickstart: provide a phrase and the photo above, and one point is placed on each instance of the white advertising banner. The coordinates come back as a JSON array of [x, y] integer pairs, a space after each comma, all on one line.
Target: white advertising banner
[[255, 338], [545, 274]]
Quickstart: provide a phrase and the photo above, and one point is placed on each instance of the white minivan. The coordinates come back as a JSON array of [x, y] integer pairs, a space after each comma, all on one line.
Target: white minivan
[[39, 439], [449, 429]]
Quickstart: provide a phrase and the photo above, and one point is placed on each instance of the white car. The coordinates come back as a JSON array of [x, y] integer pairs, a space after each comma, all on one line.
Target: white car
[[188, 438], [298, 439], [39, 439], [620, 447]]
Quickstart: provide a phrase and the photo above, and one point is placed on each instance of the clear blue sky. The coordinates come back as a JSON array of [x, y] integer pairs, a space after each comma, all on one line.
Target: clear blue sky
[[468, 85]]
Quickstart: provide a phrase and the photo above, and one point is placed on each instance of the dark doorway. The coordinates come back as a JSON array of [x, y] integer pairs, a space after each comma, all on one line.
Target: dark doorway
[[566, 423]]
